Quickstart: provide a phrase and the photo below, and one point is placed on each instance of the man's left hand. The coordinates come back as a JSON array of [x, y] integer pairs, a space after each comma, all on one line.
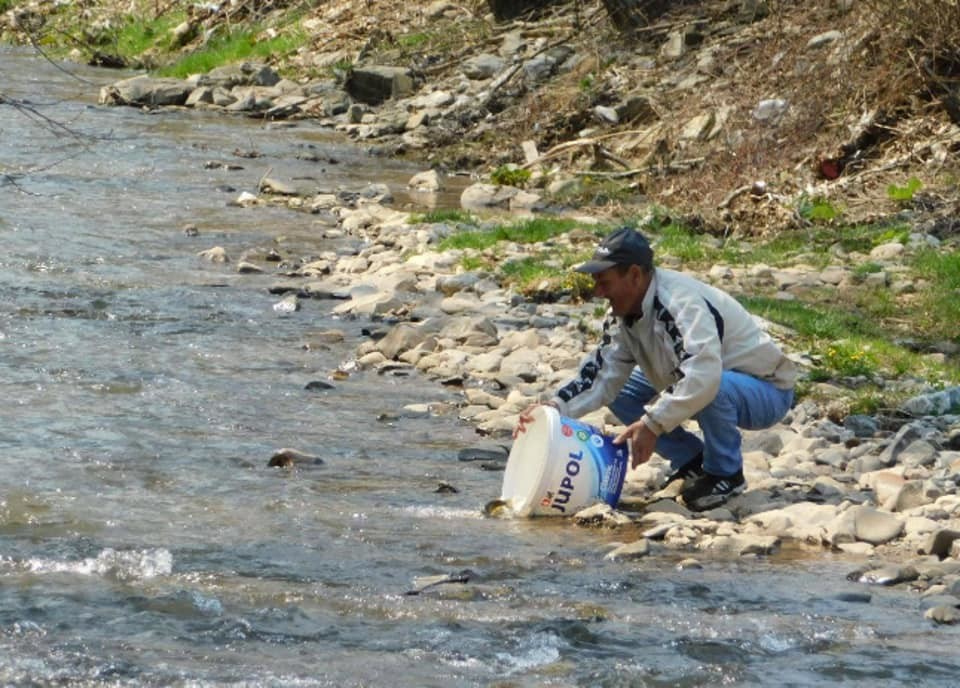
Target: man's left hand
[[642, 442]]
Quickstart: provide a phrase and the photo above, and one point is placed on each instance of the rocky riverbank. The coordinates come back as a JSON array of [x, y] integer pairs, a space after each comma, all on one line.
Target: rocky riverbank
[[882, 489]]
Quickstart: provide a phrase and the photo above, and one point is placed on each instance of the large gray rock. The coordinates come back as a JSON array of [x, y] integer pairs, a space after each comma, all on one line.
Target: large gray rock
[[375, 84], [903, 439], [522, 363], [940, 542], [482, 66], [145, 90], [402, 337], [918, 453], [745, 544], [935, 404], [638, 109], [910, 495], [890, 575], [875, 526], [943, 614], [468, 329], [632, 550], [428, 180], [477, 196], [240, 74]]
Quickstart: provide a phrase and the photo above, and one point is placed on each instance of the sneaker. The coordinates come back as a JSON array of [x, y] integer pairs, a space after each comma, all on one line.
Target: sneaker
[[710, 491], [691, 470]]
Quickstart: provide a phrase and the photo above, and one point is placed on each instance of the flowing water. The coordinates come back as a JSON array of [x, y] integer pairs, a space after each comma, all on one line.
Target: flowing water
[[144, 540]]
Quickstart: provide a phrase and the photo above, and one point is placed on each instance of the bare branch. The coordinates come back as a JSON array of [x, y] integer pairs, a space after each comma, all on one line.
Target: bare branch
[[33, 114], [36, 46]]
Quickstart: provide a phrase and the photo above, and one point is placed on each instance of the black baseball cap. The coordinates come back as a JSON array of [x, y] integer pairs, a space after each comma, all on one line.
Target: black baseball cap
[[624, 246]]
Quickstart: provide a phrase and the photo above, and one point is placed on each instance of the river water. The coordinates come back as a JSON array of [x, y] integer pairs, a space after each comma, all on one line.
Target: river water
[[145, 541]]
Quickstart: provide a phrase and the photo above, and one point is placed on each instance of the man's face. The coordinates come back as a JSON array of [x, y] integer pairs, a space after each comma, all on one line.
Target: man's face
[[624, 290]]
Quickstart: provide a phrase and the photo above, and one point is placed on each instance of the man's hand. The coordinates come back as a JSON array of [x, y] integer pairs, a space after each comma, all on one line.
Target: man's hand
[[525, 418], [642, 441]]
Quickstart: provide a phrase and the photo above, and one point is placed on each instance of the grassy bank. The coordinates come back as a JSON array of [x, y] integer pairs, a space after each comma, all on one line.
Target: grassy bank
[[170, 39], [873, 347]]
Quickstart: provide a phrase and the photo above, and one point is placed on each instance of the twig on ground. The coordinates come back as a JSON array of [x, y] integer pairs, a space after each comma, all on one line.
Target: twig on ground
[[728, 199], [676, 165], [262, 178]]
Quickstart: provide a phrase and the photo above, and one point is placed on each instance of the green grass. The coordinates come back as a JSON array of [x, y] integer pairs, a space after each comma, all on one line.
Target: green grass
[[525, 232], [449, 216], [414, 40], [848, 343], [679, 242], [550, 271], [137, 35], [475, 263], [234, 47], [507, 175], [526, 270], [818, 210], [812, 244], [904, 194], [938, 309], [810, 321], [547, 269]]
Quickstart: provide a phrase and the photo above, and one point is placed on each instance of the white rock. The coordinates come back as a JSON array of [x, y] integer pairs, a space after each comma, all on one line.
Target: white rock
[[632, 550], [488, 362], [428, 180], [770, 110], [875, 526], [887, 251], [217, 254], [825, 38], [288, 304]]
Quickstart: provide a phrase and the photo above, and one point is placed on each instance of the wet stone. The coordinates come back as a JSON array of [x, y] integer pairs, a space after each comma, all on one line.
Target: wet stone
[[940, 542], [318, 386], [632, 550], [287, 458], [890, 575], [943, 615], [601, 515], [494, 453]]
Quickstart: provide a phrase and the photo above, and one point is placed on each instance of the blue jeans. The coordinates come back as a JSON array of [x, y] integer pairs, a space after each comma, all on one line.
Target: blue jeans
[[743, 401]]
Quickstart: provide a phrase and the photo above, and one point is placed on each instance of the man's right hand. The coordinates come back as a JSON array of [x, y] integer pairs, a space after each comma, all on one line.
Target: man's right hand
[[526, 417]]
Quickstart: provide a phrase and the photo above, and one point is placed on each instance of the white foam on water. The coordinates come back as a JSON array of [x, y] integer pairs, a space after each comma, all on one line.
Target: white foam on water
[[773, 642], [207, 605], [123, 565], [439, 512], [544, 650]]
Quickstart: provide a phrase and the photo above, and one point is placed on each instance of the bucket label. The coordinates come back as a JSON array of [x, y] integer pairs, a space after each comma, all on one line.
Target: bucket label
[[567, 486], [608, 461], [559, 465]]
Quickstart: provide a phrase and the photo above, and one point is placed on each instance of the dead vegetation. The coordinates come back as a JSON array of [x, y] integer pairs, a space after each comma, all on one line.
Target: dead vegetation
[[868, 90], [727, 110]]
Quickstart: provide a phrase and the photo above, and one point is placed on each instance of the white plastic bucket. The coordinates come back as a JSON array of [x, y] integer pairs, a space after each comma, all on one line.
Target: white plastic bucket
[[558, 465]]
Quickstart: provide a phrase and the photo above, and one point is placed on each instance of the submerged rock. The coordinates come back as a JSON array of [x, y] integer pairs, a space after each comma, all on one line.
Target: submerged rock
[[287, 458]]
